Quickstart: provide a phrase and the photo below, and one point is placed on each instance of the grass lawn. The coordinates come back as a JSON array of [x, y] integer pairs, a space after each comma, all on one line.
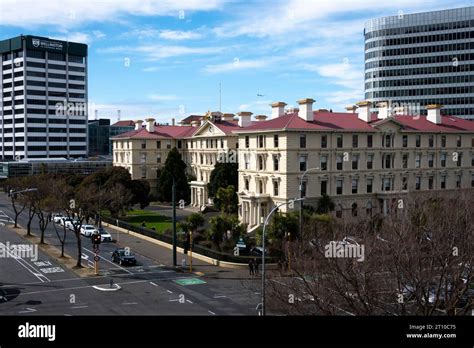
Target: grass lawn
[[151, 219]]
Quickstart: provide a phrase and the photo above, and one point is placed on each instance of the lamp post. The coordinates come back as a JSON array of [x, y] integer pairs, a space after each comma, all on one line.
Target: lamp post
[[263, 245], [173, 193], [301, 196]]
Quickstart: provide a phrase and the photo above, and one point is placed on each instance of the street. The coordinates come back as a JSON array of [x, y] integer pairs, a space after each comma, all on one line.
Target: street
[[46, 287]]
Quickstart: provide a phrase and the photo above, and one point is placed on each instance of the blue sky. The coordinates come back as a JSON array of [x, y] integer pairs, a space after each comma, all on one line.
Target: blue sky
[[166, 58]]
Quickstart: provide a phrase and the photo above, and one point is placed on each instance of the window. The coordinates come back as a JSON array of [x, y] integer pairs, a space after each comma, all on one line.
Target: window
[[472, 159], [247, 184], [303, 188], [143, 172], [275, 163], [370, 183], [168, 144], [405, 161], [261, 162], [158, 144], [388, 140], [458, 141], [387, 184], [180, 144], [260, 186], [370, 161], [418, 141], [355, 162], [369, 208], [261, 141], [387, 161], [339, 186], [459, 161], [222, 143], [158, 158], [324, 141], [302, 141], [458, 181], [201, 158], [324, 162], [143, 157], [354, 209], [355, 141], [443, 141], [324, 187], [418, 161], [370, 139], [418, 183], [338, 162], [443, 182], [443, 159], [275, 140], [404, 183], [472, 180], [303, 163], [430, 182], [405, 141], [431, 141], [247, 141], [247, 160], [355, 184], [339, 141], [275, 187], [430, 160]]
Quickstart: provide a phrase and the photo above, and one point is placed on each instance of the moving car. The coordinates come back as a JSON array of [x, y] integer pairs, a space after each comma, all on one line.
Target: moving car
[[122, 257], [88, 230], [104, 235]]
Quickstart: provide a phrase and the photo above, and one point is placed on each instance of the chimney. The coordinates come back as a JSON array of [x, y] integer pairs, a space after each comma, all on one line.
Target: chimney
[[195, 123], [245, 118], [351, 108], [306, 109], [173, 121], [434, 113], [150, 124], [261, 118], [227, 117], [278, 109], [364, 110], [383, 110], [118, 115], [138, 124]]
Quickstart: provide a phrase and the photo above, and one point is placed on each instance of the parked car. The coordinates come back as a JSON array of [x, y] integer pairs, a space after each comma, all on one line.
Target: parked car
[[71, 224], [122, 257], [56, 218], [88, 230], [104, 235], [258, 251], [65, 222]]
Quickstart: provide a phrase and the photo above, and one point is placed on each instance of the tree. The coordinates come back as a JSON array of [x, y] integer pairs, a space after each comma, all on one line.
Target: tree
[[29, 199], [140, 192], [44, 202], [223, 175], [174, 167], [325, 204], [220, 224], [18, 205], [195, 221], [409, 264], [226, 200]]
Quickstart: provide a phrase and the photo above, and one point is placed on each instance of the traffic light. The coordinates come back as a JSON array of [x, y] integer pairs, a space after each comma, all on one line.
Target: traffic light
[[96, 239]]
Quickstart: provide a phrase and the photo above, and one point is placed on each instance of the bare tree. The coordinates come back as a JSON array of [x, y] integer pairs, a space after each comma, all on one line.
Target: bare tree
[[16, 184]]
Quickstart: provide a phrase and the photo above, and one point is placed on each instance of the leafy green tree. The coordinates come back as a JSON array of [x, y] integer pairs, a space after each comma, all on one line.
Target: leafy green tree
[[223, 175], [195, 221], [325, 204], [226, 199], [282, 224], [220, 224], [175, 166]]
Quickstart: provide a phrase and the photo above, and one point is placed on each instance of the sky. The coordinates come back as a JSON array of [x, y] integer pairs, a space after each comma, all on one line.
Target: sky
[[170, 58]]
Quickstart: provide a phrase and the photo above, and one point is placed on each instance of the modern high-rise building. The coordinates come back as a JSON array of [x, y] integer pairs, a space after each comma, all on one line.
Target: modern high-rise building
[[43, 99], [414, 60], [99, 137]]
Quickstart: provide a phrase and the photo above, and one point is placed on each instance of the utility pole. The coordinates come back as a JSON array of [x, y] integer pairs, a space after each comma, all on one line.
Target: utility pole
[[191, 251], [173, 192]]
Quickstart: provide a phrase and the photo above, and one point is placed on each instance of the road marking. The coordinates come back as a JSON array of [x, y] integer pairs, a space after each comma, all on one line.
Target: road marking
[[25, 264], [212, 312], [170, 291], [28, 310], [189, 301], [126, 270], [129, 303], [220, 296], [77, 307], [189, 281], [174, 300], [153, 284]]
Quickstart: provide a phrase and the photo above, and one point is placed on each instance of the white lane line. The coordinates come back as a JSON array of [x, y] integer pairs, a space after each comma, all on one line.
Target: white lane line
[[170, 291], [129, 303], [28, 310], [153, 284], [189, 301], [122, 268], [220, 296], [77, 307], [174, 300], [212, 312], [26, 265]]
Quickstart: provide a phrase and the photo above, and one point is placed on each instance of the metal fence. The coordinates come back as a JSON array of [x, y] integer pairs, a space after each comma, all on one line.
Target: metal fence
[[169, 239]]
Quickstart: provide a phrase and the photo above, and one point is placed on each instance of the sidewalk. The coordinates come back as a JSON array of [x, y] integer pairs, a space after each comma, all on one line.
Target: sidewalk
[[141, 245]]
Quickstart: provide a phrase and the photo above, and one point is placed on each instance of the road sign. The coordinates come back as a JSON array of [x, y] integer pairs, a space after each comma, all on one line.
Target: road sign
[[190, 281]]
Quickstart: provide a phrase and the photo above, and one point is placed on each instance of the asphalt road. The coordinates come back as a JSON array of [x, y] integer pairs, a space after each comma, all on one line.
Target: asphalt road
[[44, 287]]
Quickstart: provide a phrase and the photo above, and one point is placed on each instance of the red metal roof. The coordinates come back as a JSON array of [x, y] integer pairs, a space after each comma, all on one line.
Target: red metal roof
[[448, 124]]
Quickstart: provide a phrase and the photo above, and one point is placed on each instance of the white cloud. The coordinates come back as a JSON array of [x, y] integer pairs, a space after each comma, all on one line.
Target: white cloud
[[74, 37], [161, 97], [256, 106], [157, 52], [69, 13], [179, 35], [98, 34], [151, 69], [239, 64]]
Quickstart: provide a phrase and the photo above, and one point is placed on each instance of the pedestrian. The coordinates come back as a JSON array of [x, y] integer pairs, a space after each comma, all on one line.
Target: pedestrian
[[251, 267], [255, 266]]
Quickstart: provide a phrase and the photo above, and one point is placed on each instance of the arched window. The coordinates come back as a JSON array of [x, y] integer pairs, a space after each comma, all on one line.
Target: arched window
[[369, 207], [354, 209]]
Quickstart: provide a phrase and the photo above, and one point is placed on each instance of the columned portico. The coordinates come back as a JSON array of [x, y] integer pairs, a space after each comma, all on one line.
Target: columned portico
[[199, 195]]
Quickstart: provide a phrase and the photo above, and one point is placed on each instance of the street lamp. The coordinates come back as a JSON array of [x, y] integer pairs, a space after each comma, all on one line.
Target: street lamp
[[263, 245], [173, 194], [23, 191], [301, 196]]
